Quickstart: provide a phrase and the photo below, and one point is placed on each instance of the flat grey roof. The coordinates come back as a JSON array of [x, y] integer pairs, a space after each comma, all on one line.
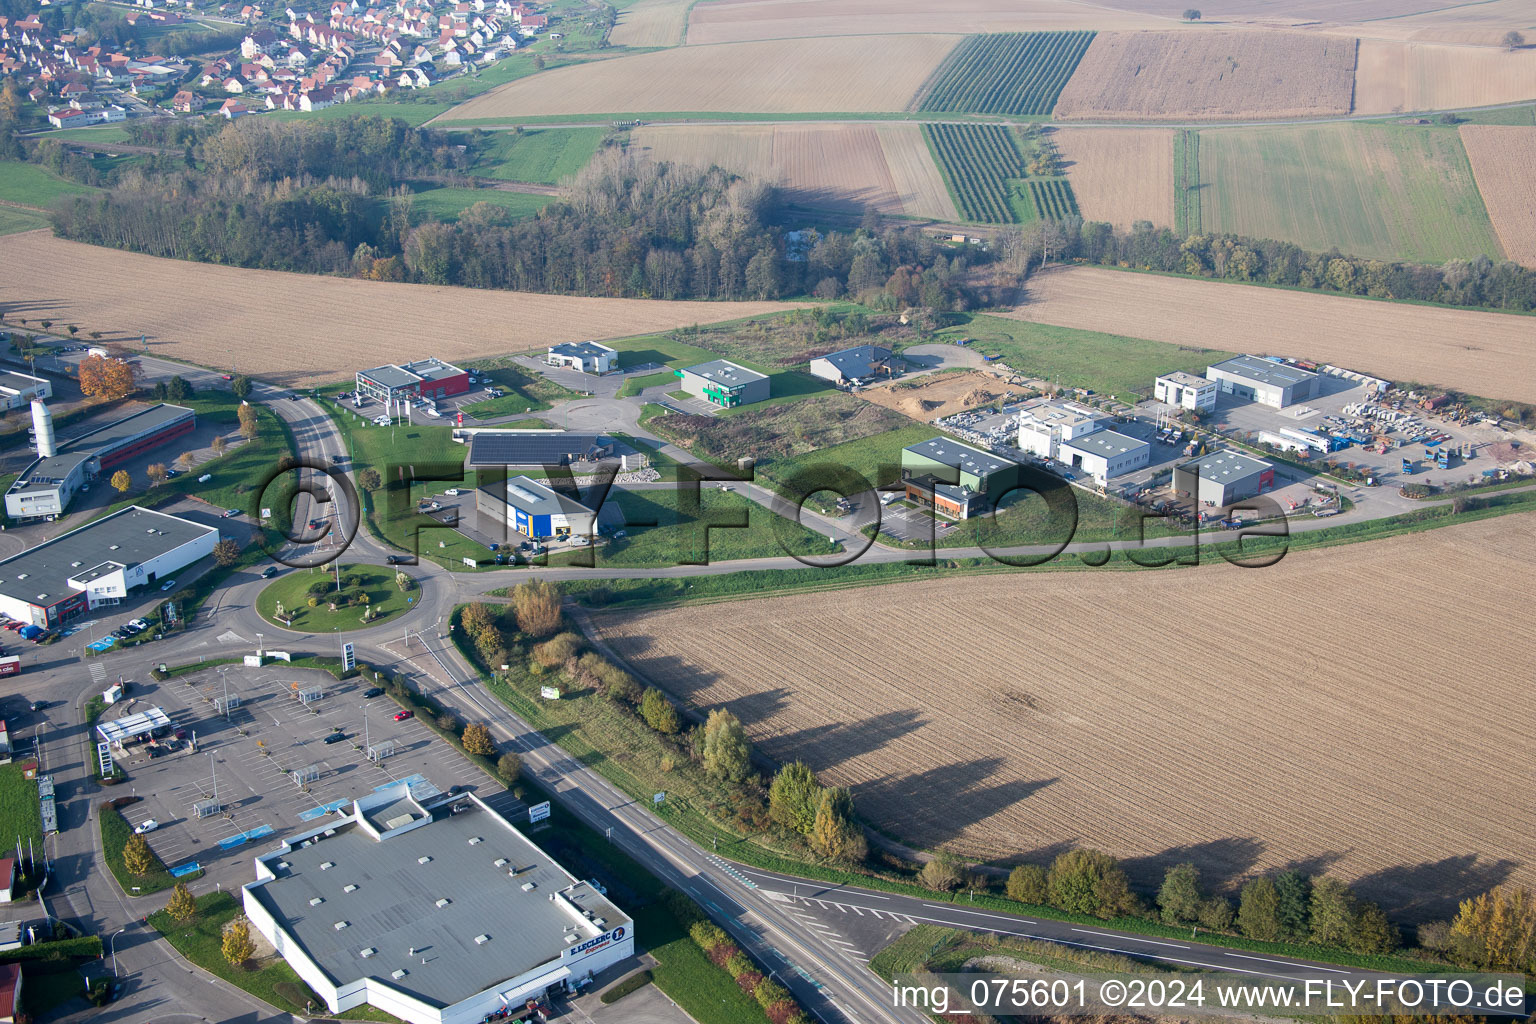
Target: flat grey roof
[[138, 533], [14, 381], [1189, 380], [395, 905], [582, 348], [432, 368], [391, 376], [859, 361], [530, 447], [43, 473], [1226, 465], [726, 373], [960, 456], [1263, 371], [1106, 443], [536, 499]]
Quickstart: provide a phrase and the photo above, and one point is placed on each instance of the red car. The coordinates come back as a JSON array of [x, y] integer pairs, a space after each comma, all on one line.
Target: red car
[[403, 715]]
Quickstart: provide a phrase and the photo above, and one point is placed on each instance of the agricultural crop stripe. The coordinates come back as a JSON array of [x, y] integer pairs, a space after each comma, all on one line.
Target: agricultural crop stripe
[[1014, 73]]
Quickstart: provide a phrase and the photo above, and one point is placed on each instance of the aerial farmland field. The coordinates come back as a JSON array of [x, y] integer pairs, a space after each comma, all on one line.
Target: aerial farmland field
[[1480, 353], [540, 155], [1383, 191], [650, 23], [826, 166], [1396, 77], [990, 715], [1120, 175], [324, 328], [1211, 76], [1018, 73], [1502, 160], [982, 164], [873, 73]]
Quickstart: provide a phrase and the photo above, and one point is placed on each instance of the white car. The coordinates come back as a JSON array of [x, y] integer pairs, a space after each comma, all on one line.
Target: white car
[[434, 412], [147, 825], [168, 585]]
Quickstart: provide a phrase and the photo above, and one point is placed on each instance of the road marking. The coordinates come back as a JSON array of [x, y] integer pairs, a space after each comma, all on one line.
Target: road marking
[[1265, 959], [993, 917], [1132, 938]]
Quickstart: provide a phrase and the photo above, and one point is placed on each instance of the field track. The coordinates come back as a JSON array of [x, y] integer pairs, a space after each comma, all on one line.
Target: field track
[[1218, 75], [829, 166], [1396, 77], [873, 73], [1120, 175], [300, 329], [1485, 354], [1206, 714], [1502, 159], [730, 21]]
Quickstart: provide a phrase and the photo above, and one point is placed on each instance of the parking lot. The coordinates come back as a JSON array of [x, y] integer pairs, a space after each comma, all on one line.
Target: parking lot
[[273, 769]]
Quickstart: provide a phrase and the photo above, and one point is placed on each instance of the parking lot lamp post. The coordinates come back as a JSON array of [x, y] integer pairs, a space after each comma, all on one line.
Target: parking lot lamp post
[[113, 947], [366, 745], [214, 775]]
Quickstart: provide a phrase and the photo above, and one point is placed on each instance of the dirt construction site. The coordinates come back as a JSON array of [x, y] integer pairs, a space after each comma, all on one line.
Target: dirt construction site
[[944, 394]]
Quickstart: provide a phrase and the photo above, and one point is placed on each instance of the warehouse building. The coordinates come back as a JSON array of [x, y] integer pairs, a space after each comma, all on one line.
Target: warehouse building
[[536, 447], [99, 564], [586, 356], [535, 510], [724, 383], [1185, 391], [1046, 422], [18, 390], [857, 365], [1104, 454], [45, 488], [433, 908], [954, 478], [425, 378], [1264, 381], [1223, 477]]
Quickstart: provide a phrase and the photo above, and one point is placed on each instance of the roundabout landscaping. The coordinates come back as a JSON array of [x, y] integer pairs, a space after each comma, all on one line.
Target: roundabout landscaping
[[308, 601]]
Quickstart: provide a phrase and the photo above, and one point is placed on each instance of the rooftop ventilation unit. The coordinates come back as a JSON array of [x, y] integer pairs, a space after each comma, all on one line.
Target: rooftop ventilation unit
[[397, 975], [327, 865], [342, 924], [501, 862], [370, 951], [349, 888], [481, 940], [528, 887], [315, 901], [475, 840], [443, 902], [423, 860]]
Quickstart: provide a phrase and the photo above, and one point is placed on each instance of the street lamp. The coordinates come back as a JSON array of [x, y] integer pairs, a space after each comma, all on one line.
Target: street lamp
[[366, 745], [113, 946]]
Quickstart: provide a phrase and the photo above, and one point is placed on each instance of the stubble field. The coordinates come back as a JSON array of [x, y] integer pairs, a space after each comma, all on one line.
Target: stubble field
[[1286, 10], [1486, 354], [1120, 175], [729, 21], [301, 329], [1210, 76], [1397, 77], [829, 166], [872, 73], [1502, 159], [1204, 714], [651, 23]]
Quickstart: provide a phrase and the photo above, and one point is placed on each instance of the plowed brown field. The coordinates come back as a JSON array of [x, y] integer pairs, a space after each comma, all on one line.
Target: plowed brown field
[[839, 166], [730, 21], [1487, 354], [785, 76], [1394, 77], [1502, 161], [1230, 717], [1120, 175], [300, 329], [1215, 75]]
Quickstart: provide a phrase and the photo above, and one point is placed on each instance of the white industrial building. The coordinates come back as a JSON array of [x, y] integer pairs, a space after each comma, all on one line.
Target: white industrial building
[[724, 383], [1185, 391], [586, 356], [1104, 454], [17, 390], [1046, 422], [99, 564], [1264, 381], [535, 509], [432, 908]]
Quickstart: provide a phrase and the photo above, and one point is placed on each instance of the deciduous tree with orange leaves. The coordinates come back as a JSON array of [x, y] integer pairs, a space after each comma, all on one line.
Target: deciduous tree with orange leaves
[[105, 377]]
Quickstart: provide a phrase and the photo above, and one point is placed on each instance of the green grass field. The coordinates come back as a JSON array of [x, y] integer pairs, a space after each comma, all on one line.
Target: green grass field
[[13, 220], [412, 113], [1374, 190], [20, 819], [525, 392], [635, 385], [1106, 363], [32, 185], [104, 134], [1186, 181], [447, 203], [386, 600], [540, 155]]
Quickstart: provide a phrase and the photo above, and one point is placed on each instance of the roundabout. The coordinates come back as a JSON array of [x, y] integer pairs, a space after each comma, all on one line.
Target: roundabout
[[308, 601]]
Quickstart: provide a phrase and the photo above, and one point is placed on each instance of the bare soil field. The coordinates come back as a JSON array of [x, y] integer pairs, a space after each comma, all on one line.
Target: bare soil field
[[1295, 10], [1201, 714], [1482, 24], [730, 21], [836, 166], [1486, 354], [1120, 175], [874, 73], [1502, 159], [931, 398], [1398, 77], [1215, 75], [301, 329], [651, 23]]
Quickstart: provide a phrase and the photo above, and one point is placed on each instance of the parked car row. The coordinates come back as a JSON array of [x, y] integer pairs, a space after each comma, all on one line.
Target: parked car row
[[25, 630]]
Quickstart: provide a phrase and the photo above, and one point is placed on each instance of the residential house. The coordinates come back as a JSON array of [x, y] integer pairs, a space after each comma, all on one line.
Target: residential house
[[186, 102]]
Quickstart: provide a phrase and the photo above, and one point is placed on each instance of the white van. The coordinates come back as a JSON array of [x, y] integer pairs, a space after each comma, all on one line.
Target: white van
[[434, 412]]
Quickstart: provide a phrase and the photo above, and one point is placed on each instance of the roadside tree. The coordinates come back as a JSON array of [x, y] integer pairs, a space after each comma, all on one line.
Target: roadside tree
[[122, 481], [477, 740], [727, 754], [137, 856]]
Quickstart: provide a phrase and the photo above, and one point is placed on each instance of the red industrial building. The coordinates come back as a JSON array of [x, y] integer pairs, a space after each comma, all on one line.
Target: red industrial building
[[425, 378]]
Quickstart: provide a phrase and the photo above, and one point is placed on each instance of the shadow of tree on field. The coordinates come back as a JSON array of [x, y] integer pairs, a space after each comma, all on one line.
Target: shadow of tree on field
[[1433, 889], [1222, 862], [938, 804], [829, 745]]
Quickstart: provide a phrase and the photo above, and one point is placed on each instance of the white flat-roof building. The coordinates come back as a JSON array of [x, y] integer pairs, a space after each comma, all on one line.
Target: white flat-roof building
[[435, 909], [17, 390], [535, 509], [1104, 454], [1185, 391], [1046, 422], [586, 356], [1264, 381]]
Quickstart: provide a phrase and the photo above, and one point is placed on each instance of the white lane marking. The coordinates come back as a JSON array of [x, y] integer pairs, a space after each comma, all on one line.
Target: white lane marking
[[978, 913], [1265, 959], [1132, 938]]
